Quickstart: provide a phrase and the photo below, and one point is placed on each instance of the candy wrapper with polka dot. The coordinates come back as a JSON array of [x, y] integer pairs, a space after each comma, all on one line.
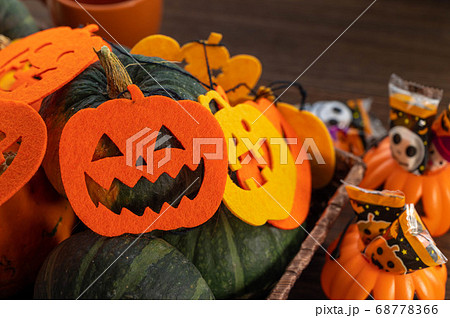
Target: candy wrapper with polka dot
[[375, 210], [405, 246], [413, 109], [387, 254]]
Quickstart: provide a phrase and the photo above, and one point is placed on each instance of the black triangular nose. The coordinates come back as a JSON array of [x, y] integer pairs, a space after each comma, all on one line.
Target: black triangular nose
[[140, 162]]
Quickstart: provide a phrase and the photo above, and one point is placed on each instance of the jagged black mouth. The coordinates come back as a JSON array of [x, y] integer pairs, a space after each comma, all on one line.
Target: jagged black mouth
[[147, 194]]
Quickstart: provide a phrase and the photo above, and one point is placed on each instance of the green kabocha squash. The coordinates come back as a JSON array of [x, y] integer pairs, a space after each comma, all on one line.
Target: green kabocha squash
[[15, 20], [107, 80], [236, 259], [150, 268]]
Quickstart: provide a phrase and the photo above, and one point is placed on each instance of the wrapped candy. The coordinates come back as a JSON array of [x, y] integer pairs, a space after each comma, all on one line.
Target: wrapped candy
[[348, 123], [375, 210], [406, 246], [400, 262], [413, 109]]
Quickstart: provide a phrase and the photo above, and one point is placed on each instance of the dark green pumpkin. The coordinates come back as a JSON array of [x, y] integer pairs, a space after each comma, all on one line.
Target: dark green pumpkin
[[150, 268], [236, 259], [89, 90], [15, 20]]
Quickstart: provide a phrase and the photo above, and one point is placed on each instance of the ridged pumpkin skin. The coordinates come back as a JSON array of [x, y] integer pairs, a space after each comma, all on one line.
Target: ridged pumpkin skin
[[150, 269], [32, 223], [236, 259], [15, 20], [89, 90]]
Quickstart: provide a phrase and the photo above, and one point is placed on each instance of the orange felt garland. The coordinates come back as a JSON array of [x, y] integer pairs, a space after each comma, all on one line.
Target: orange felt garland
[[302, 198], [23, 132], [120, 120], [45, 61], [234, 71]]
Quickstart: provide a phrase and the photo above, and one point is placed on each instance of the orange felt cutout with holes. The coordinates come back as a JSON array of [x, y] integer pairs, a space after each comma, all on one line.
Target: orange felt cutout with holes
[[239, 69], [45, 61], [23, 140], [315, 135], [135, 127], [302, 198], [250, 134]]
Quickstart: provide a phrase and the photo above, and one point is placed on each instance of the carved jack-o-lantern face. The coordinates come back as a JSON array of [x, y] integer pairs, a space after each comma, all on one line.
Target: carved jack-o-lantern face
[[407, 148], [147, 175], [38, 65], [246, 130], [23, 140]]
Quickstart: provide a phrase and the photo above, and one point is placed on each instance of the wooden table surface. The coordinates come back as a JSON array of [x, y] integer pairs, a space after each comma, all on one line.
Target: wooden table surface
[[407, 37]]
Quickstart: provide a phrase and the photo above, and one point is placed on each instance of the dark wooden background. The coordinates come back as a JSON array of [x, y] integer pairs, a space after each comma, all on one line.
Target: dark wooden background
[[407, 37]]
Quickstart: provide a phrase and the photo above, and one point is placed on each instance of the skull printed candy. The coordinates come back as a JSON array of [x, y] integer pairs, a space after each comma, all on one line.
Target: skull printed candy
[[407, 148], [333, 113]]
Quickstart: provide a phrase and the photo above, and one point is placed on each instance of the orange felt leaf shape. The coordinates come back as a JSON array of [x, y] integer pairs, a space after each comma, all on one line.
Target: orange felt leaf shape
[[302, 198], [239, 69], [36, 66], [133, 126], [249, 134], [313, 132], [23, 139]]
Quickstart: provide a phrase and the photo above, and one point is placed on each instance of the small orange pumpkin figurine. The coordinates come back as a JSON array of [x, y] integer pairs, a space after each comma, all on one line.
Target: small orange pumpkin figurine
[[387, 254], [413, 159]]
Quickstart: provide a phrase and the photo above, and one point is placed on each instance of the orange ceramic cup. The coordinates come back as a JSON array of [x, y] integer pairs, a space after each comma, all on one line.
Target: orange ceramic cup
[[126, 21]]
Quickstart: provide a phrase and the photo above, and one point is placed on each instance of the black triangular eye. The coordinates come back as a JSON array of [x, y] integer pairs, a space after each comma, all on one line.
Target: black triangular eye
[[140, 162], [106, 148], [166, 139]]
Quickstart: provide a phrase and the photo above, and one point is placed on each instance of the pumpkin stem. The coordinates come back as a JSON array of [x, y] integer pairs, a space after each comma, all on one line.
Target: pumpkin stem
[[4, 41], [117, 76]]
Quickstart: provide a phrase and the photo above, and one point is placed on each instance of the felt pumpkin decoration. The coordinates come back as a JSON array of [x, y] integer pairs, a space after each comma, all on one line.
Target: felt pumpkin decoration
[[45, 61], [32, 222], [23, 140], [302, 198], [348, 123], [383, 263], [15, 19], [398, 162], [90, 89], [183, 205], [317, 142], [203, 58], [136, 190], [246, 131]]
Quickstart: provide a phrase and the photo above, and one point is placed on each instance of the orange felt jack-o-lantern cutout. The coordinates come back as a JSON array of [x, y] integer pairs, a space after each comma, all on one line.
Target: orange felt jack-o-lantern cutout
[[316, 141], [302, 198], [203, 57], [154, 142], [45, 61], [23, 140], [361, 278], [248, 133]]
